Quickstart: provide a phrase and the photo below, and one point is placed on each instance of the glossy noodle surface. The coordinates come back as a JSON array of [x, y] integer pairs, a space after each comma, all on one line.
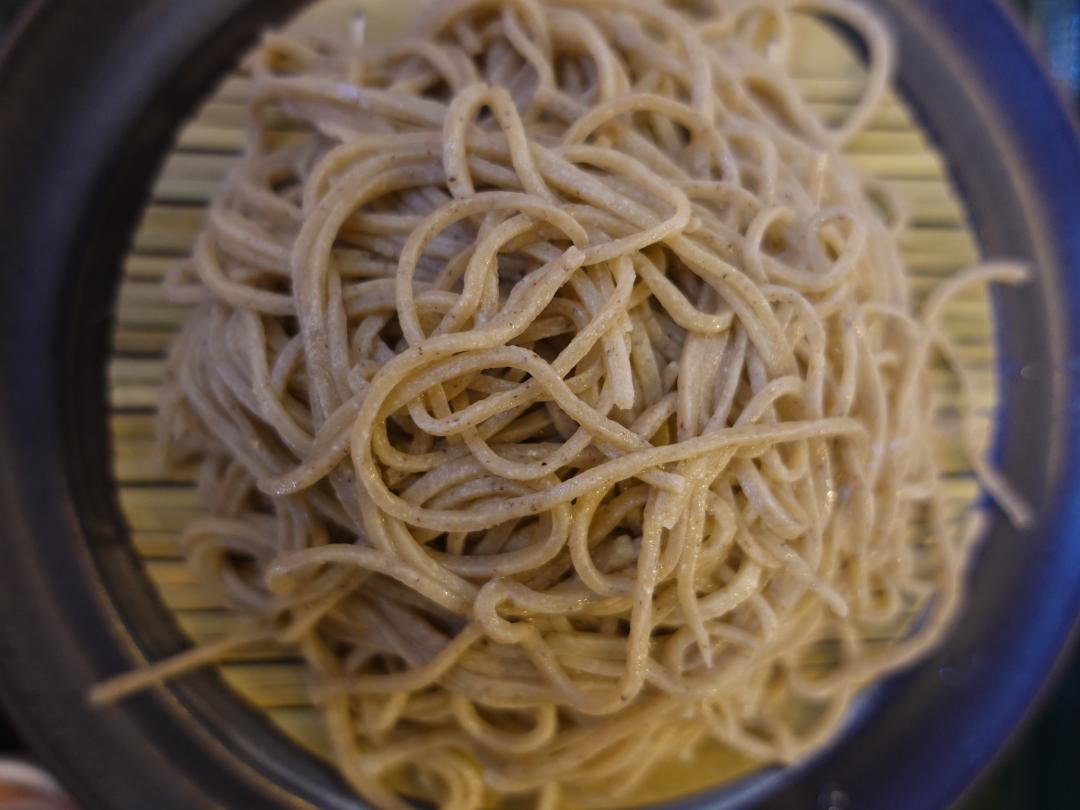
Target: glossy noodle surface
[[572, 402]]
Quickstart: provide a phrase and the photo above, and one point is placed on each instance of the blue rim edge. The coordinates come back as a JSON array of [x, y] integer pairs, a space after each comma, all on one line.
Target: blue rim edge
[[1039, 142]]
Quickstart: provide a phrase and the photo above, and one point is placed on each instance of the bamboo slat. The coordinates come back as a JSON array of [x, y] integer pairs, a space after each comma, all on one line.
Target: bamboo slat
[[159, 501]]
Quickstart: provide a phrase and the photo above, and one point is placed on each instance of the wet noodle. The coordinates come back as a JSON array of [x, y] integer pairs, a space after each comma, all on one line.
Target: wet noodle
[[559, 399]]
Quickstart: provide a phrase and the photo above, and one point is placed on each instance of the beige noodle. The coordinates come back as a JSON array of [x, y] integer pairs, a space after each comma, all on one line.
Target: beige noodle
[[559, 398]]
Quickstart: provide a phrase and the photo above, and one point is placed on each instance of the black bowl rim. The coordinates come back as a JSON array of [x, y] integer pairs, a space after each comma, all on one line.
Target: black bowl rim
[[90, 96]]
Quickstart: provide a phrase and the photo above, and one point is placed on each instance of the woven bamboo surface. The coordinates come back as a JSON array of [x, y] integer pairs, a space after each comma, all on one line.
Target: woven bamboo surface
[[158, 501]]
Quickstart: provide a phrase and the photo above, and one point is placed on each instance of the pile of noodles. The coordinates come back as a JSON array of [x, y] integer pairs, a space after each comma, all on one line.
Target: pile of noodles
[[558, 397]]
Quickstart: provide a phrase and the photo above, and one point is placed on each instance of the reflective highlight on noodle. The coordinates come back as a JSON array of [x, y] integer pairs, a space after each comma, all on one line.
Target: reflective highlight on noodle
[[559, 399]]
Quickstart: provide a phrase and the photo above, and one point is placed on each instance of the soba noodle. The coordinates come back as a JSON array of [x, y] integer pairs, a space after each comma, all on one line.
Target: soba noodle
[[558, 397]]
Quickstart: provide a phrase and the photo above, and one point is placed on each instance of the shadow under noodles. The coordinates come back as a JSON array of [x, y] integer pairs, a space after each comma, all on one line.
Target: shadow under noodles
[[158, 500]]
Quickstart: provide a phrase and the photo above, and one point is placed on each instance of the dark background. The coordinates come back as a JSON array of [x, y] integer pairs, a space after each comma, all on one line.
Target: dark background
[[1041, 768]]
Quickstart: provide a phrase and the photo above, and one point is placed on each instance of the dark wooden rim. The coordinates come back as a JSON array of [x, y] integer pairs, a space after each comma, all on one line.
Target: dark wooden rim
[[90, 97]]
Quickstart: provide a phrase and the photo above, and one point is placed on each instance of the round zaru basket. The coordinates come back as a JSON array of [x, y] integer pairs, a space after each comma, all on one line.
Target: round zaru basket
[[159, 500]]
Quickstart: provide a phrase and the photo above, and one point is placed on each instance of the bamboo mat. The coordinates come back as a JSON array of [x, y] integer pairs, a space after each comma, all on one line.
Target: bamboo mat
[[158, 501]]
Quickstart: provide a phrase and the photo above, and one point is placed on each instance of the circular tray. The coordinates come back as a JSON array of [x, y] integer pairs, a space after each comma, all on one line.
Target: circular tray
[[92, 95]]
